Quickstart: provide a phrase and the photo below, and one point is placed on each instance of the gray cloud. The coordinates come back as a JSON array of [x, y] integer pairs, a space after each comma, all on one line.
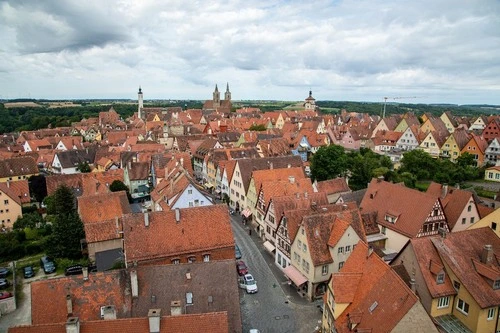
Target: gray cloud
[[360, 50]]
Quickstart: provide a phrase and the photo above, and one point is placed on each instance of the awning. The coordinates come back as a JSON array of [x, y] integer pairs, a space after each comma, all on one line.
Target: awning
[[293, 274], [246, 213], [270, 247]]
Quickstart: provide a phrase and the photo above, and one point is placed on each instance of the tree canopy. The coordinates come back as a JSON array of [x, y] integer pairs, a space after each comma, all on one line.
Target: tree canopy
[[329, 162]]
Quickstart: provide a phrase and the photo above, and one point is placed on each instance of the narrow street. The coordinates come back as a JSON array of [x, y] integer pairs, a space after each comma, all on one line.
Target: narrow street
[[275, 308]]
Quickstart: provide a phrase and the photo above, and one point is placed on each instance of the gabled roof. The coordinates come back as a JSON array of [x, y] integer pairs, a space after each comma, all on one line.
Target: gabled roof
[[378, 301], [199, 229], [454, 201], [21, 190], [331, 186], [260, 176], [138, 171], [212, 284], [18, 166], [459, 250], [275, 188], [48, 297], [85, 183], [71, 158], [411, 207], [247, 166], [10, 192], [97, 208]]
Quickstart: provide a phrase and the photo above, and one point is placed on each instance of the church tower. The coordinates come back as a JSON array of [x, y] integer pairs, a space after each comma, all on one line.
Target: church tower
[[227, 95], [141, 103], [216, 98]]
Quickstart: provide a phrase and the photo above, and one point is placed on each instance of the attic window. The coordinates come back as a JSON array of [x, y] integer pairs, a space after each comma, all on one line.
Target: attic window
[[440, 278], [496, 284], [390, 218]]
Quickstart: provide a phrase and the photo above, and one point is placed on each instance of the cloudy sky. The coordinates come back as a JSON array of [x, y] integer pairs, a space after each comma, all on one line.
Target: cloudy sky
[[440, 51]]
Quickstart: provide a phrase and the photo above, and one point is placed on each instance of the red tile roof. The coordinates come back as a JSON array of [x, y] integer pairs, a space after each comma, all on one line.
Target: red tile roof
[[214, 322], [411, 207], [336, 185], [459, 250], [199, 229], [97, 208]]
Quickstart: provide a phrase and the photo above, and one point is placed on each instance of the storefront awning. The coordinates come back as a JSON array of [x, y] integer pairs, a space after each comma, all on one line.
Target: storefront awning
[[246, 213], [270, 247], [293, 274]]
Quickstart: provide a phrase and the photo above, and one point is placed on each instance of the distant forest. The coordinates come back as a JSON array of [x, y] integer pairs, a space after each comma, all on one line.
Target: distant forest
[[32, 118]]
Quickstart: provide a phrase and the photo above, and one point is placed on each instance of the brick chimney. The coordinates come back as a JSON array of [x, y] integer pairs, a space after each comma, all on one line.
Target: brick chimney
[[146, 219], [109, 312], [175, 308], [154, 316], [69, 305], [177, 215], [73, 325], [85, 271], [487, 254], [134, 283]]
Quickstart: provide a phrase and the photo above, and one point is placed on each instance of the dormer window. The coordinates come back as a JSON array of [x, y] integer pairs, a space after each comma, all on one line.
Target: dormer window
[[390, 218], [496, 284], [440, 278]]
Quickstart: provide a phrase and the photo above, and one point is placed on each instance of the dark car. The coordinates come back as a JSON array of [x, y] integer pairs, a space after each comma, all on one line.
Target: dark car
[[4, 271], [241, 267], [28, 272], [237, 252], [47, 264], [5, 294], [74, 270], [4, 283]]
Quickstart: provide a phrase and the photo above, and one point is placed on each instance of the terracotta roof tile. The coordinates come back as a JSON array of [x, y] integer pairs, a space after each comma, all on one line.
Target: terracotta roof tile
[[21, 190], [97, 208], [459, 250], [336, 185], [199, 229], [18, 166]]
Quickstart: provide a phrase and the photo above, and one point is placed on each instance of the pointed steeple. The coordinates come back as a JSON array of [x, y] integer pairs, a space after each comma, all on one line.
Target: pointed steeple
[[227, 94], [216, 97]]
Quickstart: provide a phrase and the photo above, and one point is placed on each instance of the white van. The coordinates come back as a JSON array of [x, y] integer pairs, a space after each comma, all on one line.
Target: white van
[[248, 283]]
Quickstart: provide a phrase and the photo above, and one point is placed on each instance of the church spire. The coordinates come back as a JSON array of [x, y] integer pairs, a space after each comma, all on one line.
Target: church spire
[[227, 94]]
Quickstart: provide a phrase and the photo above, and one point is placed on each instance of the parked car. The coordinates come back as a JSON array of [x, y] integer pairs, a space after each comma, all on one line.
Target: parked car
[[4, 283], [248, 283], [237, 251], [28, 272], [241, 267], [73, 270], [47, 264], [4, 271], [5, 294]]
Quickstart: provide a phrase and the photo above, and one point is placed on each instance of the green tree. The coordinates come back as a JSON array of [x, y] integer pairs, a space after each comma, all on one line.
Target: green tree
[[64, 201], [419, 163], [83, 167], [31, 220], [259, 127], [38, 187], [67, 235], [329, 162], [118, 185], [465, 160]]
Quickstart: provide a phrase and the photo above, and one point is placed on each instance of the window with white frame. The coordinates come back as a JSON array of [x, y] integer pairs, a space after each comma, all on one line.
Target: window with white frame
[[176, 261], [463, 306], [206, 257], [443, 302], [324, 270], [304, 247], [191, 260], [341, 250], [440, 278], [491, 313]]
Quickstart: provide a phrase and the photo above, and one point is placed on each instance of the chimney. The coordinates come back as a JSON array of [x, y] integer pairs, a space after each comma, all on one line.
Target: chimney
[[175, 308], [370, 251], [380, 179], [69, 305], [413, 285], [182, 162], [146, 219], [8, 184], [109, 312], [487, 254], [73, 325], [85, 271], [177, 215], [129, 165], [134, 283], [344, 207], [271, 165], [154, 316], [306, 195], [291, 179], [444, 191], [314, 205]]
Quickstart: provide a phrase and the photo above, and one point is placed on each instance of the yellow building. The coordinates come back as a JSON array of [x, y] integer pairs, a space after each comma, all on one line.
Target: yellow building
[[10, 206], [457, 277], [491, 221]]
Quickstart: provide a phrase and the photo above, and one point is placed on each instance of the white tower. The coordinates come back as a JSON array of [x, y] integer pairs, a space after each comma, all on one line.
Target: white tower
[[141, 103]]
